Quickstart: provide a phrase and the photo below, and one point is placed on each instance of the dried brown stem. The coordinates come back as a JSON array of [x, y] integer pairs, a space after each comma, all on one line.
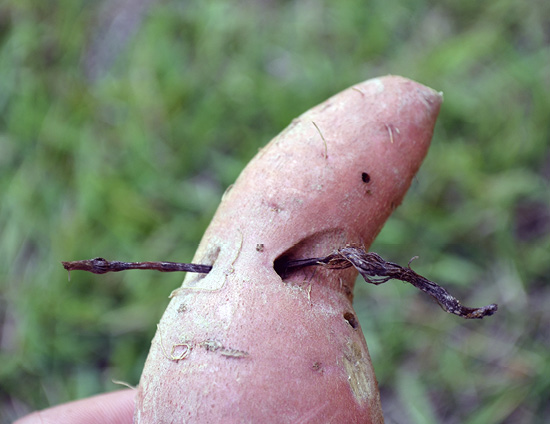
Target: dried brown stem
[[101, 266], [370, 265]]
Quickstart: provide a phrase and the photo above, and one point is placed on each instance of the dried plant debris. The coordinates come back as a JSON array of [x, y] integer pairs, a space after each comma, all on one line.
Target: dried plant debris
[[101, 266], [370, 265], [376, 270]]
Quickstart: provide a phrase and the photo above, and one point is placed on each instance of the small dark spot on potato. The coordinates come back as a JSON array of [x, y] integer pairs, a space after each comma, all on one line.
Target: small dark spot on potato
[[274, 207], [260, 247], [351, 319], [317, 366], [365, 177], [182, 308]]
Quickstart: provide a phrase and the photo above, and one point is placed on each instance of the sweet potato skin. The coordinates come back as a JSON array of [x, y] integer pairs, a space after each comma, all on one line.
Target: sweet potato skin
[[245, 344]]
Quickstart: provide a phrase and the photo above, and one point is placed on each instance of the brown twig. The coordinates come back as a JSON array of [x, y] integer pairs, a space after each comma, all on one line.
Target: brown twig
[[101, 266], [370, 265]]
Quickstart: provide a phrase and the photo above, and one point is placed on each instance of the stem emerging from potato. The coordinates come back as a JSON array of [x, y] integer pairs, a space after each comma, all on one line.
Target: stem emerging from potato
[[376, 270], [370, 265]]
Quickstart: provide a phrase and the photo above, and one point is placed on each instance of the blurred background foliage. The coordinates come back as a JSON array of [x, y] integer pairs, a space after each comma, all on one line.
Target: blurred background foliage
[[122, 122]]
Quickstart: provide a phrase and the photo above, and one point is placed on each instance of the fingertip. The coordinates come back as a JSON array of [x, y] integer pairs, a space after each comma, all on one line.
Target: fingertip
[[114, 408]]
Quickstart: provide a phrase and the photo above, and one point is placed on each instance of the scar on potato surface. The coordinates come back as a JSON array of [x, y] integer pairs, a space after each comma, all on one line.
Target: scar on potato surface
[[185, 351], [355, 364], [229, 271]]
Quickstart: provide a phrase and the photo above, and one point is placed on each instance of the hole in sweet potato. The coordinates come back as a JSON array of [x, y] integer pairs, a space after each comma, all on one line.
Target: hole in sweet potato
[[279, 265], [351, 319], [314, 245]]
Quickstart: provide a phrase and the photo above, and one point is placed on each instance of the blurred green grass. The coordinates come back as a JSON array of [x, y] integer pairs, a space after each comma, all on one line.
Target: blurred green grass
[[119, 134]]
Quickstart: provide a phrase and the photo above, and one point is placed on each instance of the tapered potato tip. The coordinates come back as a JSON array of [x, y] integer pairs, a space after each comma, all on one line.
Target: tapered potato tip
[[343, 166]]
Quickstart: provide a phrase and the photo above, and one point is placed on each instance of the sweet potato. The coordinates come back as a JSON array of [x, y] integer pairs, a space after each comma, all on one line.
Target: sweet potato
[[250, 343]]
